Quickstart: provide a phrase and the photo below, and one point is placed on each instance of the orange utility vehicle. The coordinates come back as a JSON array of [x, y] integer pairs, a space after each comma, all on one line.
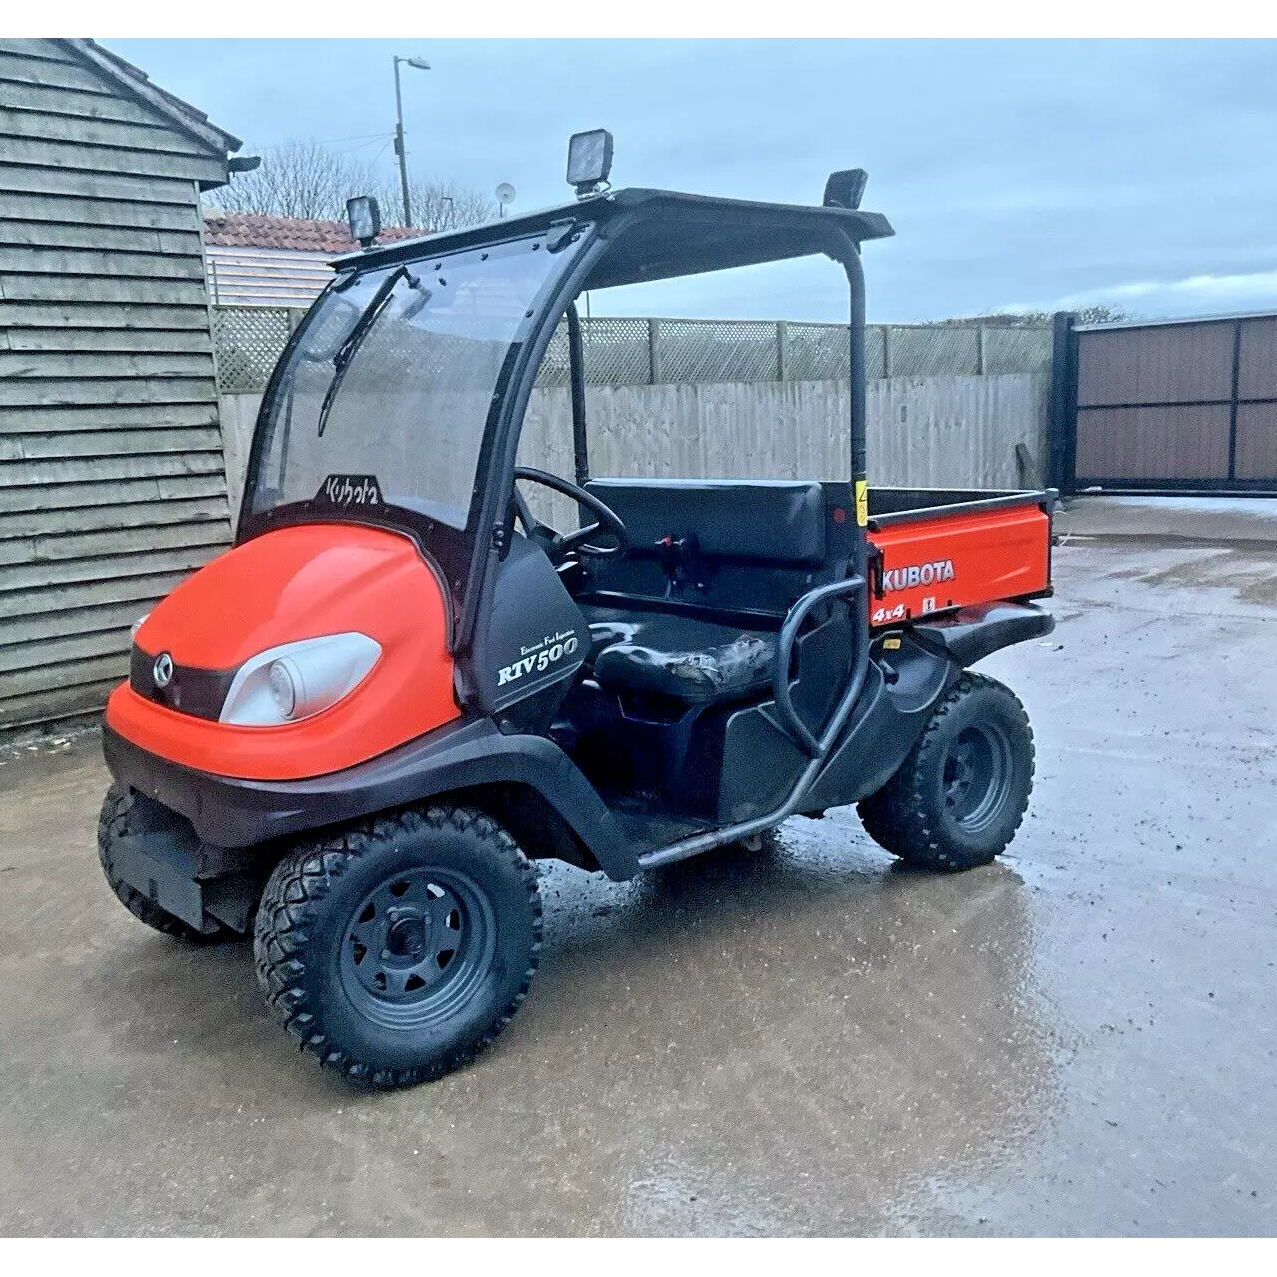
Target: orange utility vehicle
[[355, 731]]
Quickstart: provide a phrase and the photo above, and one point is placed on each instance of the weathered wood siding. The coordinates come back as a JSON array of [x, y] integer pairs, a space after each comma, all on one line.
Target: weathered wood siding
[[111, 475]]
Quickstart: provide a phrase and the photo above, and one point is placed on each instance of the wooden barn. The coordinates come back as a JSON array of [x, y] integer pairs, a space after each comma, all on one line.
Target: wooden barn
[[112, 485]]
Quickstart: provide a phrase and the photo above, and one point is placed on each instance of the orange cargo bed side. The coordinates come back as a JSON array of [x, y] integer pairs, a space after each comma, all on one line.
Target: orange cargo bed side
[[934, 560]]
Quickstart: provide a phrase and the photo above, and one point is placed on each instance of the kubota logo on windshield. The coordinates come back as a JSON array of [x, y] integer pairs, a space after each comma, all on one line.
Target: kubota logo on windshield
[[917, 574], [350, 489]]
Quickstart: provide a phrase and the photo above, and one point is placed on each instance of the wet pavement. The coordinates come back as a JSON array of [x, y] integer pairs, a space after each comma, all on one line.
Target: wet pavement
[[1079, 1039]]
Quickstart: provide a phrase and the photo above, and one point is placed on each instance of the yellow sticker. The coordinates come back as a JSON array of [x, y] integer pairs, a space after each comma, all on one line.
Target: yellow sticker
[[891, 644], [862, 502]]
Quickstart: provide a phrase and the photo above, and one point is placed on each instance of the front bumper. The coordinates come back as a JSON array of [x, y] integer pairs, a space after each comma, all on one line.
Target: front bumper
[[223, 810]]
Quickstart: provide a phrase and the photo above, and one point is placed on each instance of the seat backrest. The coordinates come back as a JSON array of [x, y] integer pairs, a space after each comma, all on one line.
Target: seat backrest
[[749, 545], [777, 521]]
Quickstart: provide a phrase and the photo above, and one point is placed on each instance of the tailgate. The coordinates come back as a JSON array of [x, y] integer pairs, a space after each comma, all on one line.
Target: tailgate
[[933, 560]]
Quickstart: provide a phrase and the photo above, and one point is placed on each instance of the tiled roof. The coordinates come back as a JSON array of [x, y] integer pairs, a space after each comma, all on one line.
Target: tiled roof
[[297, 234]]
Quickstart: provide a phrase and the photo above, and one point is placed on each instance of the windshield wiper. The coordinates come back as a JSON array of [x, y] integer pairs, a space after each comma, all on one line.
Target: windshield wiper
[[346, 351]]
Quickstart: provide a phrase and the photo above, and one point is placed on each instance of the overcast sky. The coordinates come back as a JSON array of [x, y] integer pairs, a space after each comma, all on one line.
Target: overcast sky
[[1039, 174]]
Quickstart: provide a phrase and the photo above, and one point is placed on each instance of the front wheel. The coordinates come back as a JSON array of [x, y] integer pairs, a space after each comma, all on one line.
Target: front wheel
[[397, 951], [960, 795]]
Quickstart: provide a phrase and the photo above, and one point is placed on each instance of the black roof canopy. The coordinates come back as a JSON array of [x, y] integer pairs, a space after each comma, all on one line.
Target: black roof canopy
[[665, 234]]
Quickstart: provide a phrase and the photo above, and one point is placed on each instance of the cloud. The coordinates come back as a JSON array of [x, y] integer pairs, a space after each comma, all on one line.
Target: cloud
[[1132, 172], [1161, 298]]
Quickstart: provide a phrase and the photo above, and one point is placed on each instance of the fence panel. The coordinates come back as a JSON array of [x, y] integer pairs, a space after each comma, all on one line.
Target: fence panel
[[248, 341], [1009, 350], [618, 352], [819, 352], [625, 351], [932, 351], [705, 352]]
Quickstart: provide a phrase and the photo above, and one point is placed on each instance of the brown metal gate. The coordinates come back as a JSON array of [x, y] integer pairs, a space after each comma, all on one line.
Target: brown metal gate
[[1183, 406]]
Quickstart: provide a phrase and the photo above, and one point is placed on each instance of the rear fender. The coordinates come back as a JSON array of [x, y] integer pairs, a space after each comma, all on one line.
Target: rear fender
[[971, 634], [911, 671]]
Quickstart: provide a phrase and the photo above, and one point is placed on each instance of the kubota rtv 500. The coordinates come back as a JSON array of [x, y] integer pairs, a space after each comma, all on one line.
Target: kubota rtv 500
[[356, 731]]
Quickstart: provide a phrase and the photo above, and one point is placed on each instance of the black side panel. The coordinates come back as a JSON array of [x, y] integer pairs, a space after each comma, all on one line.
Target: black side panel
[[240, 813], [761, 762], [974, 632], [820, 668], [760, 765], [537, 639], [887, 724]]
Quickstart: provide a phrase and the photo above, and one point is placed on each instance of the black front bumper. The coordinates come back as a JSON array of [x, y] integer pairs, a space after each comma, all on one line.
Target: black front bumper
[[224, 811]]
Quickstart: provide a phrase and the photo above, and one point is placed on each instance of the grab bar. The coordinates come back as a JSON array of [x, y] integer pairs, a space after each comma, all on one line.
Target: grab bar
[[790, 721]]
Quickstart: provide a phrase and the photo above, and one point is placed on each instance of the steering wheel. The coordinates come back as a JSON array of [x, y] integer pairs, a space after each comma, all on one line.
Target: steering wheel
[[559, 545]]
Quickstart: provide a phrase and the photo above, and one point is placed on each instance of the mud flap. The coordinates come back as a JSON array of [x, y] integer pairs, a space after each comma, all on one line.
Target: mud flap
[[163, 865]]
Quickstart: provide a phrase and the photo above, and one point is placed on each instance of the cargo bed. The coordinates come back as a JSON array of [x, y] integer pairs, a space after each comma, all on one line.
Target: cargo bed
[[936, 550]]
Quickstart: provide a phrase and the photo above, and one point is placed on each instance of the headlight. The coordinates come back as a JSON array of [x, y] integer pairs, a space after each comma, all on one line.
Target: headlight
[[281, 678], [284, 684]]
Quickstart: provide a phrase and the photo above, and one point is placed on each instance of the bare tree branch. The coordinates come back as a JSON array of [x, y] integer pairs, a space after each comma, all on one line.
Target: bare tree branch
[[438, 204], [297, 179], [307, 179]]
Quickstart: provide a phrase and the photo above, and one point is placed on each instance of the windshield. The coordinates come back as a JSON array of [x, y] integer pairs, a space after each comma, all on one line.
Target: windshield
[[385, 397]]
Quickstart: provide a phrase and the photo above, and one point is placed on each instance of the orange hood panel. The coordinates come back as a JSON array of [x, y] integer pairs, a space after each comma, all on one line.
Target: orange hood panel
[[300, 583]]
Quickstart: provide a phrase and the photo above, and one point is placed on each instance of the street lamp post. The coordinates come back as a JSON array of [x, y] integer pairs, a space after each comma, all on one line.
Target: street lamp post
[[421, 65]]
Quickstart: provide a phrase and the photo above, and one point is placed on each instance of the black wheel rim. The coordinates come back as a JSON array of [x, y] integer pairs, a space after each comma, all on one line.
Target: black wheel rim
[[417, 946], [977, 775]]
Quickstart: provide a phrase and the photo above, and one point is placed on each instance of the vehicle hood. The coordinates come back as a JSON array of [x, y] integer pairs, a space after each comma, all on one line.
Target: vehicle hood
[[293, 583]]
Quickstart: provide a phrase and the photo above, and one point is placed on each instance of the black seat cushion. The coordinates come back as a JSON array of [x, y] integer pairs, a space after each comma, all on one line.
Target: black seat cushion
[[681, 657]]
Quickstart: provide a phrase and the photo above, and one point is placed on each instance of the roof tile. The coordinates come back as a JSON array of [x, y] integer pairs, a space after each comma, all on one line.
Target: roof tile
[[299, 234]]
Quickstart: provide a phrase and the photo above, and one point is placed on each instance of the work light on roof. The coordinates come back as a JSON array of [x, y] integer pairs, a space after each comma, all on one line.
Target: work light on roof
[[846, 188], [364, 219], [589, 160]]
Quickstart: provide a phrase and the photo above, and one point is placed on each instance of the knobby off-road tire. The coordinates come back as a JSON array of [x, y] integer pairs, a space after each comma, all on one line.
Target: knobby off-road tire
[[120, 817], [396, 951], [960, 795]]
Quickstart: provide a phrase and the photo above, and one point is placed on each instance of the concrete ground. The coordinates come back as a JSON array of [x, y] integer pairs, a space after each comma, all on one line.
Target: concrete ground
[[1080, 1039], [1218, 520]]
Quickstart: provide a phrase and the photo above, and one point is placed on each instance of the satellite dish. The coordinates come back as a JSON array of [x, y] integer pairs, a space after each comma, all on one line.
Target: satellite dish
[[505, 195]]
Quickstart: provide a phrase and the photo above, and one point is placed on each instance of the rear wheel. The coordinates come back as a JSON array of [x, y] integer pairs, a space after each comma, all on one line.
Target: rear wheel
[[123, 814], [962, 792], [398, 951]]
